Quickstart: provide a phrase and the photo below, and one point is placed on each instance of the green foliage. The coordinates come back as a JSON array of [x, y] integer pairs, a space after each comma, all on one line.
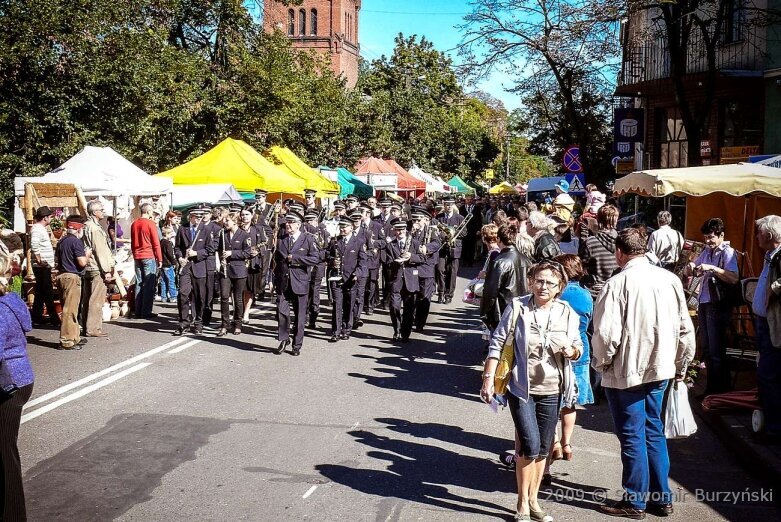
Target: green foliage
[[162, 81]]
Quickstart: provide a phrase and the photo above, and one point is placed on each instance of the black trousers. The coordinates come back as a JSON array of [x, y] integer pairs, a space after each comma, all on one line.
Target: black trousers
[[291, 303], [343, 296], [44, 295], [385, 270], [402, 312], [468, 252], [208, 298], [12, 506], [360, 289], [232, 287], [315, 287], [192, 291], [423, 300], [447, 274], [265, 263], [370, 290]]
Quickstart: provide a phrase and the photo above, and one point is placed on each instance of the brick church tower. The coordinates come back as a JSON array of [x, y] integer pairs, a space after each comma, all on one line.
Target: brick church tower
[[328, 26]]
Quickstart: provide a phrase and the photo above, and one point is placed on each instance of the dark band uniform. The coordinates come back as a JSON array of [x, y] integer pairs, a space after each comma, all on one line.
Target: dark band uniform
[[233, 275], [213, 230], [322, 239], [426, 274], [373, 237], [403, 285], [291, 281], [447, 268], [259, 266], [192, 277], [351, 257]]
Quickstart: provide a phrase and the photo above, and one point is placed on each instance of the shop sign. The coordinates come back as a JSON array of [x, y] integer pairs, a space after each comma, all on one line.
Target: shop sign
[[737, 154], [625, 166]]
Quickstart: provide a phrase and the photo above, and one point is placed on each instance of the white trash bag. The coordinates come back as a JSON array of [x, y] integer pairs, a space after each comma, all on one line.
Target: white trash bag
[[678, 418]]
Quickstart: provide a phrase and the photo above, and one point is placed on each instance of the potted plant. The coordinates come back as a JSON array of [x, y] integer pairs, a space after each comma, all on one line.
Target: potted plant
[[57, 226]]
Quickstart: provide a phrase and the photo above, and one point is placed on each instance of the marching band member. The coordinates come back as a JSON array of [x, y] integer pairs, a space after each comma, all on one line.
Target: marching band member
[[372, 235], [263, 216], [346, 258], [404, 255], [387, 232], [257, 266], [193, 246], [447, 268], [309, 199], [212, 230], [427, 236], [322, 239], [234, 248], [296, 252]]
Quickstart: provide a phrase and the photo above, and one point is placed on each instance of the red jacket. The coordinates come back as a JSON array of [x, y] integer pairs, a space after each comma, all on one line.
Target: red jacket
[[145, 240]]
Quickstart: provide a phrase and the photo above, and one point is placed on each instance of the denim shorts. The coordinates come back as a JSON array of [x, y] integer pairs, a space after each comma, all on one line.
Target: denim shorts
[[535, 423]]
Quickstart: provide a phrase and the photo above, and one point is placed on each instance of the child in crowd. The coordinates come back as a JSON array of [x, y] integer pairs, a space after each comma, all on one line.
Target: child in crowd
[[168, 290]]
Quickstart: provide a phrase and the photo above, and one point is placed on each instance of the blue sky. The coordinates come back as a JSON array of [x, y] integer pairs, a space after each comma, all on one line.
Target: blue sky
[[381, 20]]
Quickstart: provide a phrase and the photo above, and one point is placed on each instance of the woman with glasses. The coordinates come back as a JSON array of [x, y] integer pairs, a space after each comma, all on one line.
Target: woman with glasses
[[545, 338]]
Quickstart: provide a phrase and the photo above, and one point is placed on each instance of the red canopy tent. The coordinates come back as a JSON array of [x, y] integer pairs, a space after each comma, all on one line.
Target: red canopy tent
[[407, 182]]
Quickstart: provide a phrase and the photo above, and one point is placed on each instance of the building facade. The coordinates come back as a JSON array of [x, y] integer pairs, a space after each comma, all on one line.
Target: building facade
[[734, 125], [325, 26]]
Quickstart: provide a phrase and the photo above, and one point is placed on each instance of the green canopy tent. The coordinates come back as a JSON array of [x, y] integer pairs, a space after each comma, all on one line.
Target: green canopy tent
[[461, 186], [350, 185]]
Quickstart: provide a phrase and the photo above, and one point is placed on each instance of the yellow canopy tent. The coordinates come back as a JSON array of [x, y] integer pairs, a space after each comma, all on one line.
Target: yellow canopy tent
[[738, 194], [233, 161], [502, 188], [284, 159]]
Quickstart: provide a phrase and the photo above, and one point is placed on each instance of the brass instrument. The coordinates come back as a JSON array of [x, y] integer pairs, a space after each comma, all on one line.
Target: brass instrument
[[452, 233], [222, 256], [426, 240], [336, 270], [188, 262], [407, 248]]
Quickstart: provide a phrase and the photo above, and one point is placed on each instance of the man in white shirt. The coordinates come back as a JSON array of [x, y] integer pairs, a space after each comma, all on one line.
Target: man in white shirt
[[665, 243], [43, 261]]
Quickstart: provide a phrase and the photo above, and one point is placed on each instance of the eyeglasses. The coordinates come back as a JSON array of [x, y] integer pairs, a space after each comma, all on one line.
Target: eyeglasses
[[539, 283]]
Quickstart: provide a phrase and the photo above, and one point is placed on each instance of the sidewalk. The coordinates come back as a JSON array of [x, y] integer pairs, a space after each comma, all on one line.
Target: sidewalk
[[734, 429]]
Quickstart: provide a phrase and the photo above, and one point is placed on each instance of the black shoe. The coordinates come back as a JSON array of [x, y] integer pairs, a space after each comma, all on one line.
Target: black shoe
[[222, 333], [281, 347], [405, 339], [622, 509], [344, 337], [508, 459], [440, 299], [334, 338], [296, 351], [396, 337], [237, 330], [419, 329], [359, 323], [81, 342], [448, 300], [179, 331], [369, 312], [311, 325], [659, 510]]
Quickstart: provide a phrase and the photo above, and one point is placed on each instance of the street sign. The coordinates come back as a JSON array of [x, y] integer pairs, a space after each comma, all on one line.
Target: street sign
[[571, 159], [577, 184], [489, 173]]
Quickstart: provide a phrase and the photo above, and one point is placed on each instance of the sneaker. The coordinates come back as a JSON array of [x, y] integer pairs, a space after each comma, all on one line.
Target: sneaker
[[158, 298]]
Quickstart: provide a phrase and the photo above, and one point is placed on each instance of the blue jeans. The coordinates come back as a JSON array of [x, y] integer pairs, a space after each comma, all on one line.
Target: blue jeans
[[768, 377], [535, 423], [146, 284], [168, 283], [637, 420]]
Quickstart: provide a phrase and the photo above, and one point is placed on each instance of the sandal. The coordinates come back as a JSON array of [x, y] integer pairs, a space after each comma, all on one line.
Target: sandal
[[567, 454], [557, 452]]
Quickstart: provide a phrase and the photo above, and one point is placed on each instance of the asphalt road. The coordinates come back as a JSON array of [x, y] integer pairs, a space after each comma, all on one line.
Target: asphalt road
[[147, 426]]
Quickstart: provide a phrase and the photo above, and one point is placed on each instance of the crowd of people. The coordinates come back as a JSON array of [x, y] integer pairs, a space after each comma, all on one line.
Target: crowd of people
[[576, 309]]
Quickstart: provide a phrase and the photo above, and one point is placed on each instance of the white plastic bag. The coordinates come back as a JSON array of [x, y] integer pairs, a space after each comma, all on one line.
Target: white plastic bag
[[678, 418]]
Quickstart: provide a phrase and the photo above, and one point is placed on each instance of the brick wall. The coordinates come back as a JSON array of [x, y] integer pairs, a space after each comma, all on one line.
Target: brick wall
[[336, 32]]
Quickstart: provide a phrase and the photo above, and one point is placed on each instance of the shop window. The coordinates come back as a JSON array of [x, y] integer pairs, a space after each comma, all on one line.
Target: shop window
[[291, 22], [741, 124], [673, 145], [313, 22]]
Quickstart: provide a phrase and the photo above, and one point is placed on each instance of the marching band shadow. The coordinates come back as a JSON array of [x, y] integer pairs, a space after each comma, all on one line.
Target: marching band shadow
[[424, 474]]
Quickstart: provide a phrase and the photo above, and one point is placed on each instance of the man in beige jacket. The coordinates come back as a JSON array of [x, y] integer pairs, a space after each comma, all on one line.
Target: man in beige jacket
[[99, 271], [643, 338]]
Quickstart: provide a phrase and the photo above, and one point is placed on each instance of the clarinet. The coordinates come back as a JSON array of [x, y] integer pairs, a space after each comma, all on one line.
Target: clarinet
[[223, 271]]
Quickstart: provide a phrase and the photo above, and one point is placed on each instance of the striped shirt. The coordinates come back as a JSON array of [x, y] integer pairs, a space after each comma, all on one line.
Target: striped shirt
[[41, 244]]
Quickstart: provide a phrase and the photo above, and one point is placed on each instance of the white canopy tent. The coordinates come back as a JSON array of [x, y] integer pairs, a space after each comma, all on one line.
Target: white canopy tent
[[432, 184], [215, 194], [101, 172]]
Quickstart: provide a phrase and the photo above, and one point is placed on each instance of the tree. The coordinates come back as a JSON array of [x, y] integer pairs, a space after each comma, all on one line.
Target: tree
[[565, 46]]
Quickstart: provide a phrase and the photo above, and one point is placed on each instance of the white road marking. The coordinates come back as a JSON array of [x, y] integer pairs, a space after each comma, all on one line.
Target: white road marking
[[84, 391], [309, 491], [184, 346], [101, 373]]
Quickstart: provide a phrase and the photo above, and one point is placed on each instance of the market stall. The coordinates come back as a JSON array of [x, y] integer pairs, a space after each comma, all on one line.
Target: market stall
[[234, 161], [460, 186], [348, 183], [433, 185], [407, 183], [184, 196], [377, 173], [503, 188], [284, 159], [738, 194]]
